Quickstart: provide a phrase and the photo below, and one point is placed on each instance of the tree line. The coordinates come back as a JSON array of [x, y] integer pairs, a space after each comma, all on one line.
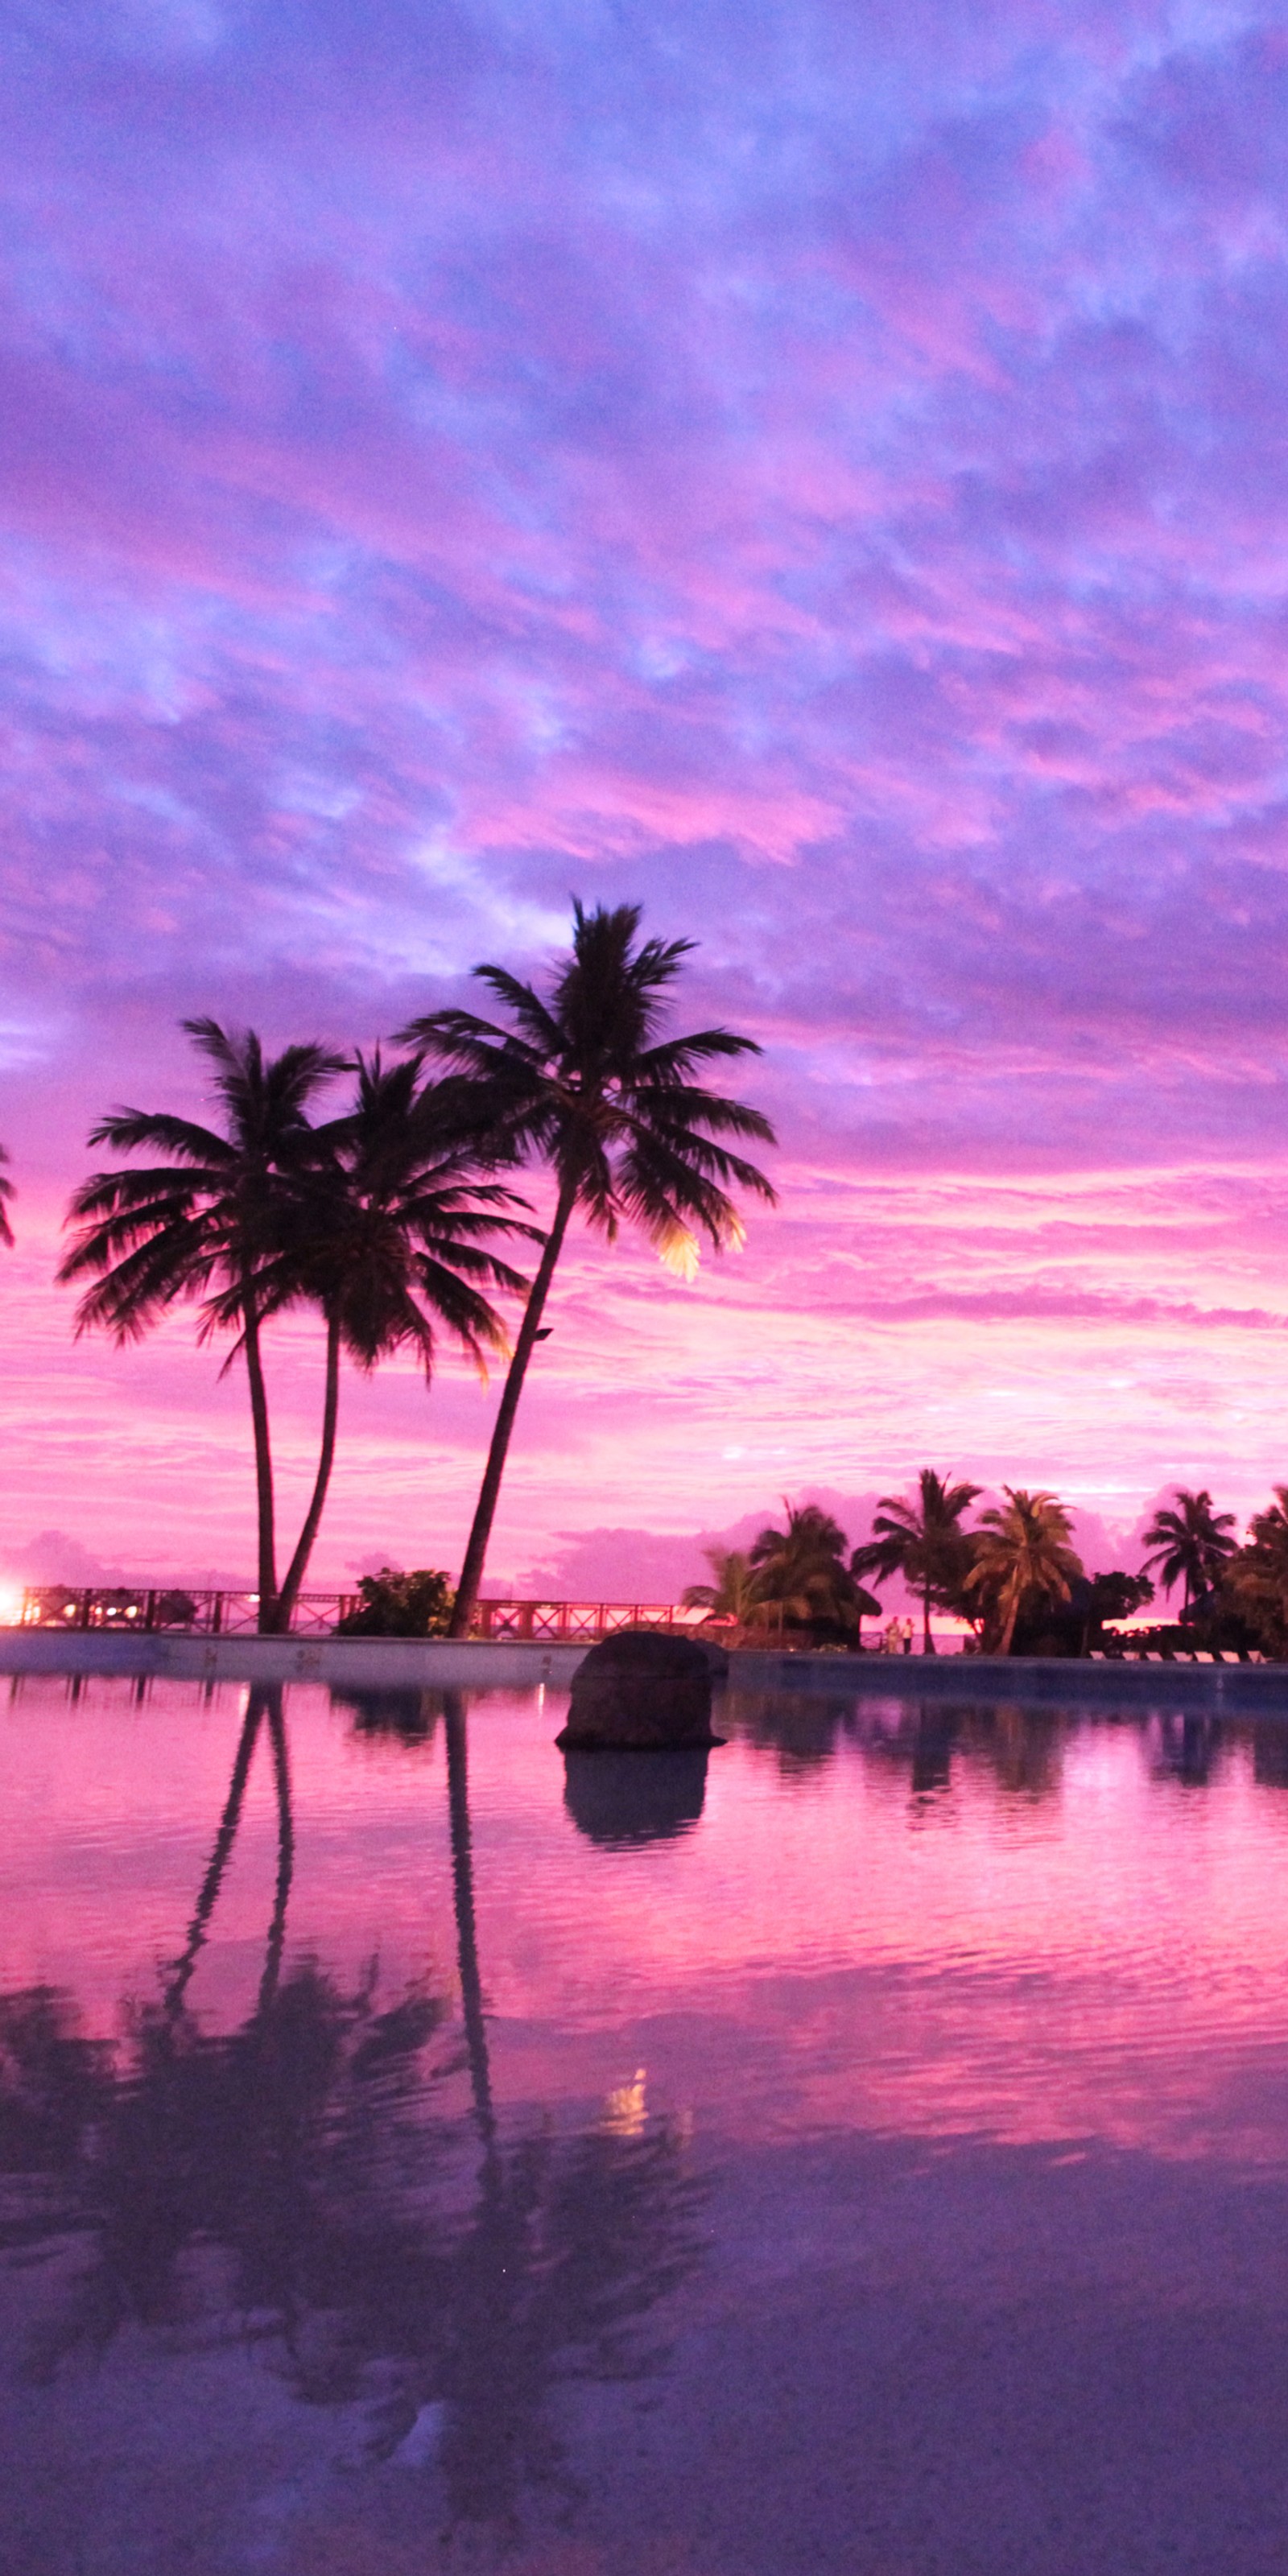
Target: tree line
[[394, 1218], [1016, 1576]]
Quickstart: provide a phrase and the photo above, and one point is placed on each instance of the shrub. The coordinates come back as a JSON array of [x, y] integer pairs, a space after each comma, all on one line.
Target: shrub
[[400, 1605]]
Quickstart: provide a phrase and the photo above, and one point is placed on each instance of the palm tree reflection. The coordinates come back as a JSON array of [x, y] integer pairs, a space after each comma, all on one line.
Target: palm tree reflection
[[305, 2183]]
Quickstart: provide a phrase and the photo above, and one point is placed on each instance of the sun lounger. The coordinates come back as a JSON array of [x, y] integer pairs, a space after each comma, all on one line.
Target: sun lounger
[[1095, 1656], [1204, 1659]]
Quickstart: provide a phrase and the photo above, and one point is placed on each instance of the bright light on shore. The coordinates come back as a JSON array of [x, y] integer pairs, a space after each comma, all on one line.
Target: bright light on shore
[[11, 1595]]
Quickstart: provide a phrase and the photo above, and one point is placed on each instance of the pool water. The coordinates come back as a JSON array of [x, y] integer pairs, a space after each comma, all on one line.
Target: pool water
[[862, 2148]]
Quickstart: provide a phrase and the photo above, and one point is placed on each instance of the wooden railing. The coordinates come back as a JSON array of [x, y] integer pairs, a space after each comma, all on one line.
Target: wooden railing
[[147, 1609]]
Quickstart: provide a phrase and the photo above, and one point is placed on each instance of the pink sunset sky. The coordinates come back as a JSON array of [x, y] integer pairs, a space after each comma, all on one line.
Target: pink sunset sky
[[818, 470]]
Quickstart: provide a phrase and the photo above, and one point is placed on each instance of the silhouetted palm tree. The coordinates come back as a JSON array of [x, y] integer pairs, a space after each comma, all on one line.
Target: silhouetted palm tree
[[207, 1222], [1189, 1544], [1023, 1547], [6, 1192], [387, 1237], [924, 1542], [733, 1593], [800, 1572], [584, 1083], [1257, 1574]]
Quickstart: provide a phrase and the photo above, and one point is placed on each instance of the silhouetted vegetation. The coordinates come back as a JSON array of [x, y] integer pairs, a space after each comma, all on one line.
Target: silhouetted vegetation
[[400, 1605]]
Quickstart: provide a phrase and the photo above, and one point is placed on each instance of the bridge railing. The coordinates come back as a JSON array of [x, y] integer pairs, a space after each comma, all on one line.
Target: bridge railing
[[147, 1609]]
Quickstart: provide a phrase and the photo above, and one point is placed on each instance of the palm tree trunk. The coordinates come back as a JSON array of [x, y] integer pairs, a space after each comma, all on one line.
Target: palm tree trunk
[[218, 1863], [263, 1469], [285, 1849], [1009, 1630], [467, 1590], [467, 1948], [298, 1566], [927, 1641]]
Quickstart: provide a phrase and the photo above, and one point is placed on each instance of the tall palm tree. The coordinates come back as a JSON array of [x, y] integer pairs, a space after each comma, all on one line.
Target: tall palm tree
[[800, 1572], [206, 1222], [385, 1236], [1189, 1544], [6, 1192], [924, 1542], [584, 1083], [1022, 1547]]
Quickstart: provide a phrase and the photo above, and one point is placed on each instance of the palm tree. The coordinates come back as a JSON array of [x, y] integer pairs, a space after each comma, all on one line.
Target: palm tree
[[1020, 1548], [733, 1593], [386, 1238], [6, 1192], [584, 1083], [800, 1572], [1257, 1574], [207, 1221], [924, 1542], [1190, 1545]]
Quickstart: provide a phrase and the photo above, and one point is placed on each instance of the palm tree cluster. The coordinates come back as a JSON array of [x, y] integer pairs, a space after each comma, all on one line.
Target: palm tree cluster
[[1019, 1560], [393, 1219], [793, 1577], [1015, 1576]]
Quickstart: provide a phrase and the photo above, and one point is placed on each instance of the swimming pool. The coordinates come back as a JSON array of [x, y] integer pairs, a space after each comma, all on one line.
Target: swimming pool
[[864, 2147]]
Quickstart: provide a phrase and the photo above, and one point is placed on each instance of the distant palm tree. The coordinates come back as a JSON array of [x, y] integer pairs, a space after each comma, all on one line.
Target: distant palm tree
[[924, 1542], [800, 1573], [1190, 1545], [6, 1192], [584, 1083], [733, 1593], [1022, 1547], [385, 1236], [1257, 1574], [207, 1222]]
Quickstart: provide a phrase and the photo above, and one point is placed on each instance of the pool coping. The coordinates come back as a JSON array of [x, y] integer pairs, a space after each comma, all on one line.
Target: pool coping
[[479, 1664]]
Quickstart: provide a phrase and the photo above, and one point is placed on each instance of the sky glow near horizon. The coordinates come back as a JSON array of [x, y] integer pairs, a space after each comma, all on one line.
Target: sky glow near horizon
[[816, 470]]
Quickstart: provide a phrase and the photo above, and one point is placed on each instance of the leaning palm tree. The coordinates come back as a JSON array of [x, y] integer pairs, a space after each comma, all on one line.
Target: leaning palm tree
[[584, 1083], [385, 1236], [207, 1222], [1022, 1548], [6, 1192], [1190, 1544], [924, 1542]]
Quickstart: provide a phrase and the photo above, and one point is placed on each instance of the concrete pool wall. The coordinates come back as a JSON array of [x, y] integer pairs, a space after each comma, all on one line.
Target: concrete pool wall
[[474, 1664]]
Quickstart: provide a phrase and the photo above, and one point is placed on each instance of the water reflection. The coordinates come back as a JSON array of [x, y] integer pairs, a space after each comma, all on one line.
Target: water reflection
[[1187, 1745], [306, 2184], [621, 1799], [803, 1728], [409, 1716]]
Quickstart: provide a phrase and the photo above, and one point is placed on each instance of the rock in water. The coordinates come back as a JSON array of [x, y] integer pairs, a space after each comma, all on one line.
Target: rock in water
[[642, 1692]]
